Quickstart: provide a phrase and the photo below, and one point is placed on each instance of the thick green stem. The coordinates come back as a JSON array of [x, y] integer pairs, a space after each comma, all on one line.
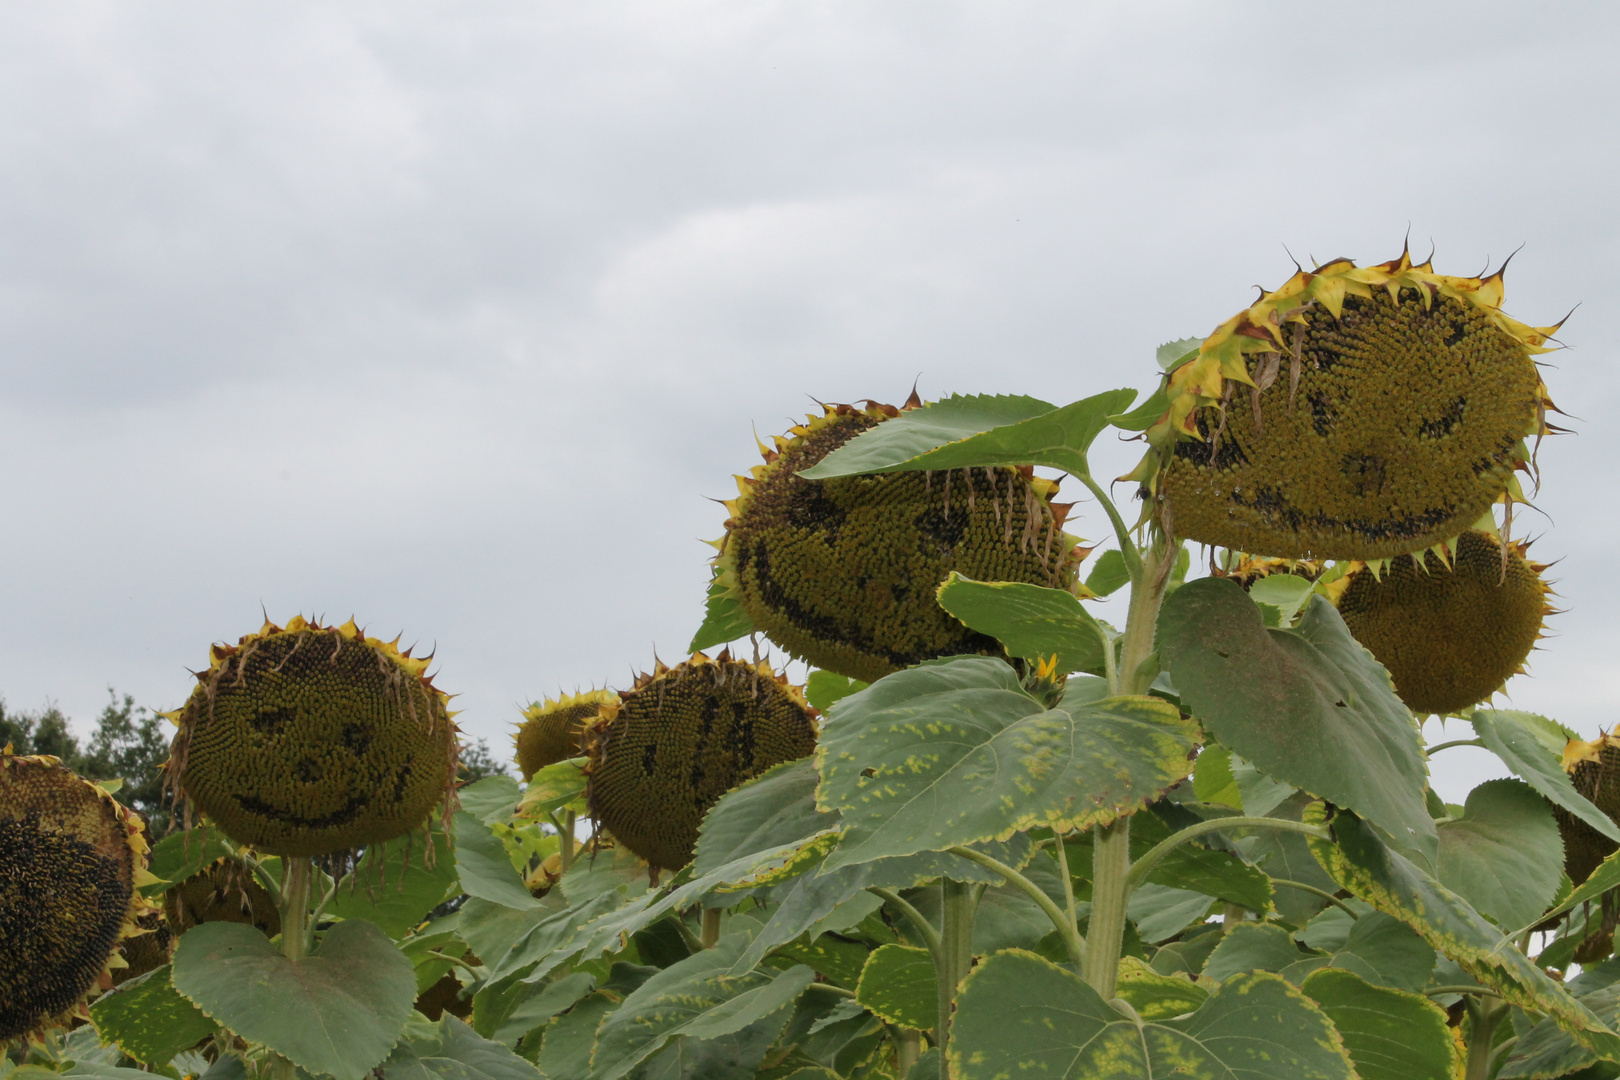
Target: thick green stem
[[1110, 893], [711, 927], [1147, 593], [1063, 922], [1485, 1019], [295, 875], [1144, 866], [956, 955], [565, 837], [907, 1049], [295, 905]]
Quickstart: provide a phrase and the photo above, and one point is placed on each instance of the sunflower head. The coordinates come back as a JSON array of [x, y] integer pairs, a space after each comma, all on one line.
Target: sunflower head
[[71, 861], [222, 891], [1353, 413], [311, 739], [1594, 768], [842, 573], [683, 737], [1453, 628], [551, 729]]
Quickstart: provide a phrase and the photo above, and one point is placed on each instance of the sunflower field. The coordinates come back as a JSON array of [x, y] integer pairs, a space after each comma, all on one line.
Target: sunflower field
[[991, 837]]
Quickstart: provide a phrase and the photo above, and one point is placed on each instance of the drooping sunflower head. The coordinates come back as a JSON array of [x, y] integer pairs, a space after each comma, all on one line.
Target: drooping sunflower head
[[1449, 635], [552, 729], [1353, 413], [222, 891], [149, 948], [842, 573], [1594, 768], [683, 737], [71, 860], [310, 739]]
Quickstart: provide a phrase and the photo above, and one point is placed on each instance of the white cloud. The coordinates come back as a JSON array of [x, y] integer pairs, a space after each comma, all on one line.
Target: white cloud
[[448, 317]]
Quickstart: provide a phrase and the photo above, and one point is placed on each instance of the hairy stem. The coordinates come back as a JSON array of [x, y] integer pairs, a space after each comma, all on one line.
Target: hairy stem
[[1063, 922], [295, 875], [1144, 866], [956, 952], [1147, 593], [907, 1049], [1110, 894], [1485, 1019]]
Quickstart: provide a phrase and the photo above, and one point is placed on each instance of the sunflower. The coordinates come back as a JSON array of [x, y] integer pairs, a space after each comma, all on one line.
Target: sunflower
[[552, 728], [71, 861], [310, 739], [1449, 635], [683, 737], [842, 573], [1353, 413]]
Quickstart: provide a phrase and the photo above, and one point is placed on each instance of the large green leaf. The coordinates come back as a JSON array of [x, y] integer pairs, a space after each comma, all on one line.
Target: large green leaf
[[450, 1050], [898, 983], [1518, 738], [963, 432], [485, 869], [956, 752], [1018, 1015], [398, 894], [775, 808], [565, 1053], [1546, 1050], [1160, 912], [339, 1010], [735, 1055], [1379, 949], [1391, 1035], [1030, 621], [508, 1011], [1308, 706], [148, 1019], [696, 998], [491, 799], [1361, 862], [1504, 855], [1155, 996], [918, 431], [724, 620]]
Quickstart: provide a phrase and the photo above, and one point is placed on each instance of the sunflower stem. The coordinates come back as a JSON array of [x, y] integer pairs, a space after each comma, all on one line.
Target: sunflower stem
[[1110, 897], [907, 1049], [711, 927], [957, 903], [295, 875], [295, 906], [566, 841]]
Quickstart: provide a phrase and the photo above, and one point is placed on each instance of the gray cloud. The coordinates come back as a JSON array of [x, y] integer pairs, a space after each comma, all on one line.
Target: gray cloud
[[449, 317]]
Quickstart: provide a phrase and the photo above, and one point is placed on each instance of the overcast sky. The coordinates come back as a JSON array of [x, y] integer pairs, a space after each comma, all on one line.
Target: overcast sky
[[451, 316]]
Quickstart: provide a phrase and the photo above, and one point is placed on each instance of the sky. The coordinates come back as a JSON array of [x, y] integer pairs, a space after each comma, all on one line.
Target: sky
[[456, 317]]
